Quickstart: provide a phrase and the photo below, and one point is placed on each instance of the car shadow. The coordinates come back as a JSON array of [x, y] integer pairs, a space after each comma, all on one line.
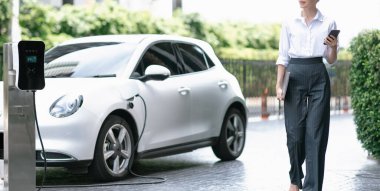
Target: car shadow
[[58, 177], [151, 166]]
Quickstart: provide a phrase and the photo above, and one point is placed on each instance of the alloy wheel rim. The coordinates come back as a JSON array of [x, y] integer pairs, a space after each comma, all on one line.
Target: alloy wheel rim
[[235, 134], [117, 149]]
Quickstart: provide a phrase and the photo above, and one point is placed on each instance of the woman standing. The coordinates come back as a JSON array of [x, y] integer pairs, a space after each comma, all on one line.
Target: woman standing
[[304, 42]]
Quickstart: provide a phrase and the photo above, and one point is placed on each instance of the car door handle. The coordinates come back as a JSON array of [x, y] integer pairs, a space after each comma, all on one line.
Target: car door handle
[[184, 90], [223, 84]]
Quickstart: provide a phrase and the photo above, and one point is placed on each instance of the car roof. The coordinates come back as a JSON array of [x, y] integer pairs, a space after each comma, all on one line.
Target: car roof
[[129, 38]]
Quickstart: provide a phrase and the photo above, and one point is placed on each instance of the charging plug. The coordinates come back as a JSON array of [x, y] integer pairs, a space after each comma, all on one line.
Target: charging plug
[[130, 105], [130, 100]]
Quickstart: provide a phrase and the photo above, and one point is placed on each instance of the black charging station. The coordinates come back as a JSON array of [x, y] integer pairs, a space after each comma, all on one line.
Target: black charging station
[[23, 74], [31, 65]]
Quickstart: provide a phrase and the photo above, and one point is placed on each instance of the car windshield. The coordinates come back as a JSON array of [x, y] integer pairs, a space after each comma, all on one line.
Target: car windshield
[[99, 59]]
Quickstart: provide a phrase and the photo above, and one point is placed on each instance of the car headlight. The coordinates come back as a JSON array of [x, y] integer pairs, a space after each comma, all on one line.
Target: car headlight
[[66, 105]]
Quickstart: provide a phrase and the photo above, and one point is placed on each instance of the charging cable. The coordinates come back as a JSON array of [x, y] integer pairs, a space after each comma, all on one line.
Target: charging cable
[[158, 179], [42, 144]]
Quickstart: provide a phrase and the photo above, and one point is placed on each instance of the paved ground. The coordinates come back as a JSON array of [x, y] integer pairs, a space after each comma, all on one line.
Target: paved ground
[[263, 166]]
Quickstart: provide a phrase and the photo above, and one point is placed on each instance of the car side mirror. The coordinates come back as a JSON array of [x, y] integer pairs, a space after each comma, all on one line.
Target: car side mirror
[[155, 72]]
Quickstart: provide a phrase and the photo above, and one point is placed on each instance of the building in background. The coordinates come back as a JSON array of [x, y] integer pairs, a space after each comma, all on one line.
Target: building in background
[[159, 8]]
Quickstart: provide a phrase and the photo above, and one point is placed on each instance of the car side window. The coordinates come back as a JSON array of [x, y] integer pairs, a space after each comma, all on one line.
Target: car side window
[[193, 57], [159, 54], [210, 63]]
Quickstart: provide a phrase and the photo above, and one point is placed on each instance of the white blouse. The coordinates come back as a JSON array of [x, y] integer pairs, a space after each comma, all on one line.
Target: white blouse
[[298, 40]]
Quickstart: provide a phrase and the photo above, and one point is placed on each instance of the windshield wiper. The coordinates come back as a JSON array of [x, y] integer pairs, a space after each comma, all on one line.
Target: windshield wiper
[[58, 76], [69, 75], [104, 75]]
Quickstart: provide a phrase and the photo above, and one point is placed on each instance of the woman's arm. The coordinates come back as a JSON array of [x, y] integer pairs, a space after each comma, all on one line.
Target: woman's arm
[[332, 46], [282, 61], [280, 79]]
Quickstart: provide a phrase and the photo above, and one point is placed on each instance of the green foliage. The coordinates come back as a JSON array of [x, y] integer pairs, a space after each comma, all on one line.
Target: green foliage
[[265, 36], [107, 18], [171, 26], [110, 18], [344, 55], [194, 24], [238, 35], [236, 40], [48, 24], [230, 40], [5, 16], [248, 53], [36, 20], [365, 88], [39, 22]]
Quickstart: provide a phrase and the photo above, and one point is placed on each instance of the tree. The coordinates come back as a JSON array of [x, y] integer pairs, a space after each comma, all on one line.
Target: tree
[[5, 15]]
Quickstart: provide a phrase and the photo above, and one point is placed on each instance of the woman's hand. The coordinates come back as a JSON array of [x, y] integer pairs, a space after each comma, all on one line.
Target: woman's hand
[[331, 41], [280, 78], [332, 52], [279, 93]]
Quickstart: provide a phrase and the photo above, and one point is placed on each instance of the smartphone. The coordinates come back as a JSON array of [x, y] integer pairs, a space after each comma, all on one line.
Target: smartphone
[[334, 33]]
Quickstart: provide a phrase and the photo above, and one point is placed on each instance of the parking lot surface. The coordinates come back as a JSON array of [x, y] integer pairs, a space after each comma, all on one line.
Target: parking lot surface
[[263, 166]]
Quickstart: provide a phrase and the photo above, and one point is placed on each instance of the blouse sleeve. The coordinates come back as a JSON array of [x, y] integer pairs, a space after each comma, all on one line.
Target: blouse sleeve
[[283, 57]]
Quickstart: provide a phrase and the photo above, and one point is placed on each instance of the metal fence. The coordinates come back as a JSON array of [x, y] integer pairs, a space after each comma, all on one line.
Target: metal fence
[[258, 80]]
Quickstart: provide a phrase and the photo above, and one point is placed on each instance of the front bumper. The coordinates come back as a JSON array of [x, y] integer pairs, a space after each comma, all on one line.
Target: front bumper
[[66, 140], [60, 160]]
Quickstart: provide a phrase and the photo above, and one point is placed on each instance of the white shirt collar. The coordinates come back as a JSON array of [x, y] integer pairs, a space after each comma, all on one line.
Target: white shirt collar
[[319, 16]]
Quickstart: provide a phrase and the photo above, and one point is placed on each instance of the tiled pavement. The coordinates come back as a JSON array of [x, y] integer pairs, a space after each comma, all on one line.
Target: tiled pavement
[[263, 166]]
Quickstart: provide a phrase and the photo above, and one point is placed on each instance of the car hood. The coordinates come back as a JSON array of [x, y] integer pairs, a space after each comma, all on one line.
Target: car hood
[[57, 87]]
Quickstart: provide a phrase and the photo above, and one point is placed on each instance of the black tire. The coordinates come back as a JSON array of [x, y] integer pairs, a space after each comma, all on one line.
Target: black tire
[[231, 140], [113, 150]]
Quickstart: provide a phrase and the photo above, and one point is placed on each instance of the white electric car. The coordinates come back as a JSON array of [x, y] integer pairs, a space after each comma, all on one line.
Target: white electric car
[[111, 99]]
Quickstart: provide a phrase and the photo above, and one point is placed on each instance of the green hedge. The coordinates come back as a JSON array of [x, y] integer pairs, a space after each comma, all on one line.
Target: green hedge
[[365, 88], [4, 21], [4, 24], [230, 40]]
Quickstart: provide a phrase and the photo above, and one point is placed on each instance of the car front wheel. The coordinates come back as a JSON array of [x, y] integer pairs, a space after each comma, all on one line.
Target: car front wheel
[[232, 137], [113, 151]]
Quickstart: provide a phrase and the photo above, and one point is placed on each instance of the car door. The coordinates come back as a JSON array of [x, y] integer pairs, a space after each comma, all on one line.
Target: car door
[[207, 90], [167, 101]]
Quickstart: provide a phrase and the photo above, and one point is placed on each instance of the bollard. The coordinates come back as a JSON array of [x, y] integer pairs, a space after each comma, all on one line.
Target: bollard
[[264, 105], [345, 104]]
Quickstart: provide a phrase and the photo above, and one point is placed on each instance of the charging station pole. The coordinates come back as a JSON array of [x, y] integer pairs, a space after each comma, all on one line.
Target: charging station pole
[[19, 130]]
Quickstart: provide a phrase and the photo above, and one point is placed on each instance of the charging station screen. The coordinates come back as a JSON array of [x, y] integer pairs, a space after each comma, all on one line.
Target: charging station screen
[[32, 59]]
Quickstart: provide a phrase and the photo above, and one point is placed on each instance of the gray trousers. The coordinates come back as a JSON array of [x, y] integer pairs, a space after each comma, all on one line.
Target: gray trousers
[[307, 118]]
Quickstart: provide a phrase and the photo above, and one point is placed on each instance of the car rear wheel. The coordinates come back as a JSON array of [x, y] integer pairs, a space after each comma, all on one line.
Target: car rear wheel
[[113, 151], [231, 141]]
